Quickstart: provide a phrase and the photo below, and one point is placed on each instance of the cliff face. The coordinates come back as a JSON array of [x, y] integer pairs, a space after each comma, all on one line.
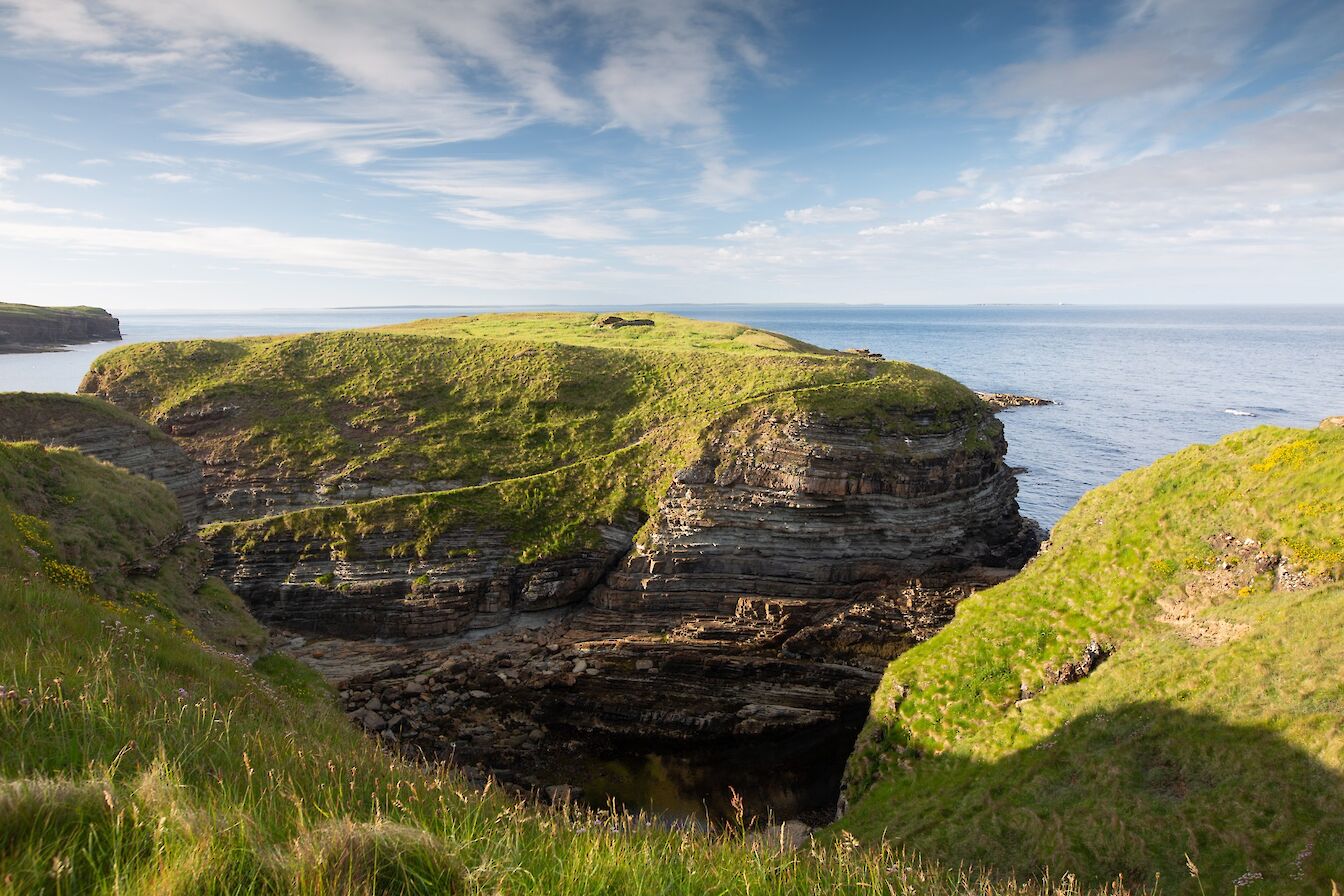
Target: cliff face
[[469, 579], [780, 572], [809, 509], [109, 434], [29, 327], [669, 546]]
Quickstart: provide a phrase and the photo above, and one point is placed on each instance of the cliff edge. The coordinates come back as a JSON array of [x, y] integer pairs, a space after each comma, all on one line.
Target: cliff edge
[[731, 531], [1160, 686], [40, 328]]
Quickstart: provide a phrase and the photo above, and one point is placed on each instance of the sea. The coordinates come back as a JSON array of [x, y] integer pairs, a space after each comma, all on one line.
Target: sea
[[1129, 384]]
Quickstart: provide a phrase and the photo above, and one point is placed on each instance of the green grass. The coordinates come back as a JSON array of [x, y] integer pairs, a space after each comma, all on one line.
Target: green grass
[[463, 399], [47, 312], [22, 412], [1231, 754], [137, 759], [552, 427]]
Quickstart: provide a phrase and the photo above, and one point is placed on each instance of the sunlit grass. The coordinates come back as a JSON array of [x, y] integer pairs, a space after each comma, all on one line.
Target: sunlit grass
[[1232, 753]]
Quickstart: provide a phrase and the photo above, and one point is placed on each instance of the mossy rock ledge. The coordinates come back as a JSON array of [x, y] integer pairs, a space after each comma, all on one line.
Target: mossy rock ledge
[[741, 529]]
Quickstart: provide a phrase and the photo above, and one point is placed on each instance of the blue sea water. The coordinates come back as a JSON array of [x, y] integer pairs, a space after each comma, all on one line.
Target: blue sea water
[[1132, 384]]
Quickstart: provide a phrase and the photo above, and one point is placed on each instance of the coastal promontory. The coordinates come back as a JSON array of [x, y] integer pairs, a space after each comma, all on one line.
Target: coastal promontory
[[26, 328]]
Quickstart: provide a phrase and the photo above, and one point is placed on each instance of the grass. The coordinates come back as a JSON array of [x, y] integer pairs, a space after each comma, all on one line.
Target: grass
[[47, 312], [136, 758], [1229, 753], [20, 412], [547, 426], [23, 327], [463, 399]]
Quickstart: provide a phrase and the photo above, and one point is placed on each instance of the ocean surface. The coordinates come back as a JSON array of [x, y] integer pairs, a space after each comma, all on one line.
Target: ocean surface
[[1131, 384]]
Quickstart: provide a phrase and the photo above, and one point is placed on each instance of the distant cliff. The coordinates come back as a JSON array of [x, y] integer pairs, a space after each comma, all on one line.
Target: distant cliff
[[35, 327]]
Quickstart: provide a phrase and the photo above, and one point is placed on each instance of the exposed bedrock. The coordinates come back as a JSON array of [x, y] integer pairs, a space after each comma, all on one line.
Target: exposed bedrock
[[780, 573], [467, 579], [805, 509], [108, 434]]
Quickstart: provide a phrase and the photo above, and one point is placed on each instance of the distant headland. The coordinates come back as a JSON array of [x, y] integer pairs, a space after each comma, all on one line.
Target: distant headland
[[36, 328]]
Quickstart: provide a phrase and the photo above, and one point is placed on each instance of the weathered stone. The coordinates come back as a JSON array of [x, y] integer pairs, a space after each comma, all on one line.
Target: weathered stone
[[106, 432]]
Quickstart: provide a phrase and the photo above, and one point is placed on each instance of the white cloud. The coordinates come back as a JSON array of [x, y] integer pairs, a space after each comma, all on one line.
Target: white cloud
[[9, 166], [497, 183], [559, 227], [156, 158], [356, 130], [69, 180], [966, 181], [757, 231], [14, 206], [68, 21], [466, 268], [723, 185], [170, 177], [839, 214], [655, 68]]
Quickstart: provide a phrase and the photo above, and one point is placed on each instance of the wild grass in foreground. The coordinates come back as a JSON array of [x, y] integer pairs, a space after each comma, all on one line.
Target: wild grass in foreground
[[135, 761]]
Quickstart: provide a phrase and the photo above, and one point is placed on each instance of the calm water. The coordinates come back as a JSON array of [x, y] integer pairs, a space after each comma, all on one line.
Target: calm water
[[1132, 384]]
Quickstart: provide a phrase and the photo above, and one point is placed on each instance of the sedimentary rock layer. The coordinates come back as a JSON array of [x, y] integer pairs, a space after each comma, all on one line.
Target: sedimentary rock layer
[[804, 508], [370, 589], [35, 327], [107, 433]]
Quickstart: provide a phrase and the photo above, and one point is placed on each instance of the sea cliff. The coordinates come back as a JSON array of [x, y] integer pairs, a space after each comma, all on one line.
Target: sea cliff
[[40, 328], [676, 533]]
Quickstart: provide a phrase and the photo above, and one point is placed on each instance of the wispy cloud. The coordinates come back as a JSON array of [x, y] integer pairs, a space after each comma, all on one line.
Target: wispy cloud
[[69, 180], [757, 231], [495, 183], [170, 177], [466, 268], [555, 226], [864, 210]]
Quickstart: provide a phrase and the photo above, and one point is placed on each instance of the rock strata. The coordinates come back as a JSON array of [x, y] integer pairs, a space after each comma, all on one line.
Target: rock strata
[[109, 434], [782, 570], [38, 328], [468, 579]]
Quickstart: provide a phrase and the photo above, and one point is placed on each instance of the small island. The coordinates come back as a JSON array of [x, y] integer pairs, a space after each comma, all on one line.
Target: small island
[[38, 328]]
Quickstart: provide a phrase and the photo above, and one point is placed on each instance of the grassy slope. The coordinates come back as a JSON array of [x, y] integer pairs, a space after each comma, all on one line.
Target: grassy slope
[[103, 532], [135, 759], [1232, 754], [22, 411], [48, 312], [584, 425]]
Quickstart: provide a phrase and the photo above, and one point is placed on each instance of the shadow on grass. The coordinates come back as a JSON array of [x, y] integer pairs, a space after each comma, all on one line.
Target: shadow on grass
[[1131, 792]]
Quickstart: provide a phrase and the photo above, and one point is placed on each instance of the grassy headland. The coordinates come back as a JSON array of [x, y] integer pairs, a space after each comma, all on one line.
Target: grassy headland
[[1211, 724], [552, 425], [37, 327]]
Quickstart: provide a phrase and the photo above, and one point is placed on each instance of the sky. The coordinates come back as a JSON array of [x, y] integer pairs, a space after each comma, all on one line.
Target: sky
[[182, 155]]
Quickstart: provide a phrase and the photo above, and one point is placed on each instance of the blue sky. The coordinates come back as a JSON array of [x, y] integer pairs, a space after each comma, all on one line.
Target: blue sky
[[296, 153]]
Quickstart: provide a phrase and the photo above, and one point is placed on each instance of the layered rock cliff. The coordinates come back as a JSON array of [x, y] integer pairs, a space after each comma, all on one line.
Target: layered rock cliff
[[775, 524], [781, 569], [36, 327], [108, 433]]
